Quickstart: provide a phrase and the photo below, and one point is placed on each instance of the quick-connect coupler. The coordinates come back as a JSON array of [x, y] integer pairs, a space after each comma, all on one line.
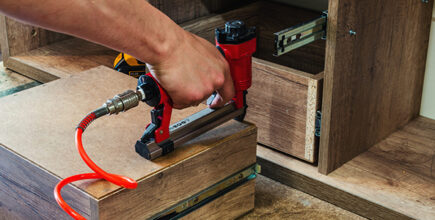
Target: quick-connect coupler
[[124, 101]]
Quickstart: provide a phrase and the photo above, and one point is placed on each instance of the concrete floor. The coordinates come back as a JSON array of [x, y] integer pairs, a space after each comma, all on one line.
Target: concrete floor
[[273, 200]]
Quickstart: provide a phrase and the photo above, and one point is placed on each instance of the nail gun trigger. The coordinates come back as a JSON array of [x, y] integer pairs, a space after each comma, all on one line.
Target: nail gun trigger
[[156, 119]]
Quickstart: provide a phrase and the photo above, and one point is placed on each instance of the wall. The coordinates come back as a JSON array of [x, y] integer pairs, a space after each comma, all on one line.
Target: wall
[[428, 99]]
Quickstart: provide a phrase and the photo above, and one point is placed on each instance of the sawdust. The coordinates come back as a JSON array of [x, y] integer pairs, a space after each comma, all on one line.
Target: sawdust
[[274, 200]]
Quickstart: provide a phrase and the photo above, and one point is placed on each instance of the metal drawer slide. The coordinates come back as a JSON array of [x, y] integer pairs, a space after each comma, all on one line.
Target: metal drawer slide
[[297, 36]]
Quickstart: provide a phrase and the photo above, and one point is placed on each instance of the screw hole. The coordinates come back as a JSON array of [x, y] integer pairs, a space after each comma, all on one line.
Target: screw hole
[[34, 32]]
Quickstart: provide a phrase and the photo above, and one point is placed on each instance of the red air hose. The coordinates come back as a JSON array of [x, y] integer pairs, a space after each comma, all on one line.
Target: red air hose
[[99, 173]]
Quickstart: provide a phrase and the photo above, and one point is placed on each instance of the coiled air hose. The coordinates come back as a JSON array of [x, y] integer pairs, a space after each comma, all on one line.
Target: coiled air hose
[[120, 103]]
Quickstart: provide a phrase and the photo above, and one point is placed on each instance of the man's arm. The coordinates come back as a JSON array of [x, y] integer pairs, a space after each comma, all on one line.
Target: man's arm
[[187, 66]]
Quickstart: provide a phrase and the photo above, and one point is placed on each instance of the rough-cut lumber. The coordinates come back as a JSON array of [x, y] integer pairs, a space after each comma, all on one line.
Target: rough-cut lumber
[[283, 103], [40, 149], [373, 80], [395, 179]]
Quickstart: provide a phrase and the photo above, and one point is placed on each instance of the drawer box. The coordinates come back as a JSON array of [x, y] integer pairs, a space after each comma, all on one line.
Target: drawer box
[[286, 90], [37, 149], [285, 93]]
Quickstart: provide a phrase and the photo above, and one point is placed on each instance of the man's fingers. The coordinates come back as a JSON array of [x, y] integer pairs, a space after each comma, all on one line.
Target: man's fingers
[[225, 93]]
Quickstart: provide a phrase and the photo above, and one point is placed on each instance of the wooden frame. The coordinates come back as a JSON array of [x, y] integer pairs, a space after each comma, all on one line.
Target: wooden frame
[[370, 81]]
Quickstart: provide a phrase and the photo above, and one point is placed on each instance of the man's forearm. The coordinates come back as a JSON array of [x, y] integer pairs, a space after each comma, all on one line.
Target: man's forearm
[[132, 26]]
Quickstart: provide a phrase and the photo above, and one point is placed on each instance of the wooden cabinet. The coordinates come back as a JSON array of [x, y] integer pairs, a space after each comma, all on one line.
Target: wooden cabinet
[[365, 78]]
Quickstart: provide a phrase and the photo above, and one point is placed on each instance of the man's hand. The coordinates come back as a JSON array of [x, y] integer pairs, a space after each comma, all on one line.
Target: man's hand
[[187, 66], [193, 71]]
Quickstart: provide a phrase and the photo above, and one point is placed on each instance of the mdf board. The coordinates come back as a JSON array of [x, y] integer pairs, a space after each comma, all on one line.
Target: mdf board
[[37, 150], [286, 90], [373, 79], [392, 180]]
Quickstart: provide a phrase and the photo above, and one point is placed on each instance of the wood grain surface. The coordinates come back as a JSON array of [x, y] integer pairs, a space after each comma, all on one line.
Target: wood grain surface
[[394, 179], [26, 191], [373, 80], [62, 59], [229, 149], [279, 105], [17, 37], [223, 207]]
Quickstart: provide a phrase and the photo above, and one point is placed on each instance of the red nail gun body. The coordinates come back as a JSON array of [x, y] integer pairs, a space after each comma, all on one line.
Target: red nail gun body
[[237, 43]]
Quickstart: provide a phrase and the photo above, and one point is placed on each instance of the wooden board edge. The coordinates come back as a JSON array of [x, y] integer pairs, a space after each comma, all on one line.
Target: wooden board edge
[[324, 152], [232, 205], [326, 192], [31, 71], [296, 75], [313, 105], [4, 38], [166, 178], [42, 186], [245, 132]]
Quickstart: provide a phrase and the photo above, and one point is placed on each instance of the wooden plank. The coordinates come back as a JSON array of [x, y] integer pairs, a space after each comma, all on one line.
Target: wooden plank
[[373, 80], [393, 180], [26, 191], [314, 104], [278, 104], [18, 38], [62, 59], [48, 127], [223, 207]]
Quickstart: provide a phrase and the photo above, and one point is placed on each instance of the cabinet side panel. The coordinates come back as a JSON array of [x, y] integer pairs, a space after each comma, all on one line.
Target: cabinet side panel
[[22, 38], [374, 74]]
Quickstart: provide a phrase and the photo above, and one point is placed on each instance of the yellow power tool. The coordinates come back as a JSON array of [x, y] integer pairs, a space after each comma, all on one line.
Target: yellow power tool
[[129, 65]]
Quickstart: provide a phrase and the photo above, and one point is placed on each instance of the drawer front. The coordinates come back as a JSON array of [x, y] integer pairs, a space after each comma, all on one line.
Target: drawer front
[[283, 103]]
